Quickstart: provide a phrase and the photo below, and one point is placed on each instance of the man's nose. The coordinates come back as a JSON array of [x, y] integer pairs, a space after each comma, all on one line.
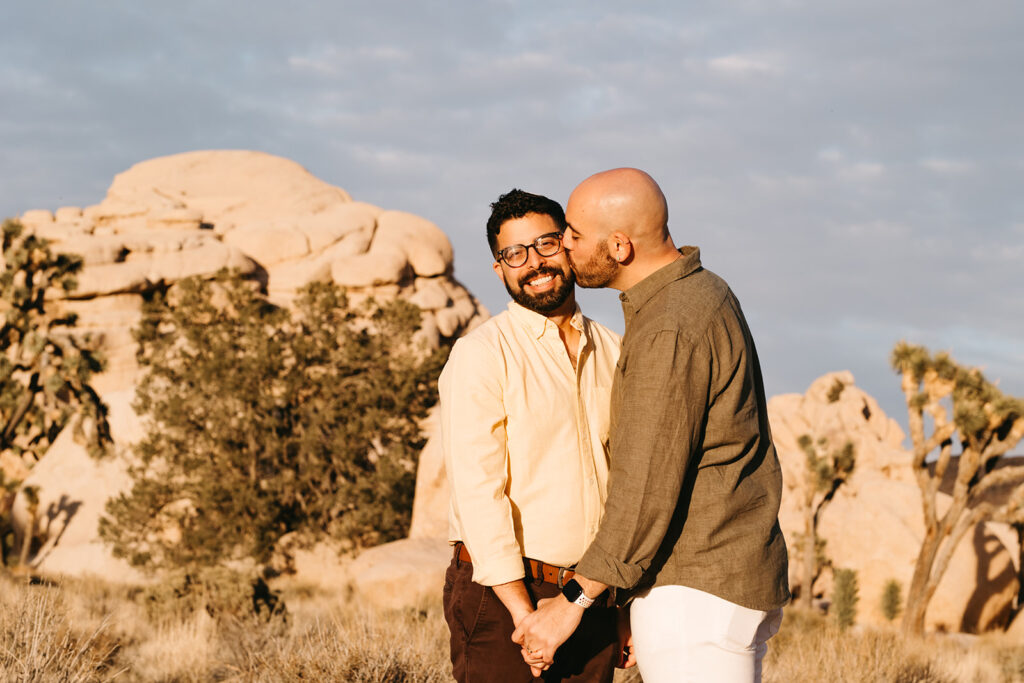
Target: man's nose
[[566, 237], [533, 259]]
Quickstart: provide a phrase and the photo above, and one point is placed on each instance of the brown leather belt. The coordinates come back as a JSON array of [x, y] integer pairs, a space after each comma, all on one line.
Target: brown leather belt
[[548, 573]]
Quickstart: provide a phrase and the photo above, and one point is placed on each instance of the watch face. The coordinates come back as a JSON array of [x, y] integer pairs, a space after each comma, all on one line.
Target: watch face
[[572, 590]]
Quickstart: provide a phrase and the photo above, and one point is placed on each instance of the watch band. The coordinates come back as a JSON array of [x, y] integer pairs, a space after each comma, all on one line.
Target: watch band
[[573, 592]]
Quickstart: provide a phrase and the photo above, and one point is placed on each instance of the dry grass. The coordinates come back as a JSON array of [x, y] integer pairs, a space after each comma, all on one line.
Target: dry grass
[[812, 648], [86, 630], [92, 631], [40, 642]]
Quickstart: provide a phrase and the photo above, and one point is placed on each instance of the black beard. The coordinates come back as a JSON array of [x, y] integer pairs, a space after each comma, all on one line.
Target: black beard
[[545, 302]]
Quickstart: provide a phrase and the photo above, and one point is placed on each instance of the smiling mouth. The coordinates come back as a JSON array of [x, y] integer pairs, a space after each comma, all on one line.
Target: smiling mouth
[[541, 281]]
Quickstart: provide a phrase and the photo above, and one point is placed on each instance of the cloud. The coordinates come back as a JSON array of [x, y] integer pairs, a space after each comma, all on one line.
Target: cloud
[[862, 171], [1003, 253], [947, 166], [872, 230], [740, 65]]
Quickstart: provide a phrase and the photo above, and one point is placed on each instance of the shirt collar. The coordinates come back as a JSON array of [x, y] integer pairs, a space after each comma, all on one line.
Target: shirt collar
[[539, 323], [639, 294]]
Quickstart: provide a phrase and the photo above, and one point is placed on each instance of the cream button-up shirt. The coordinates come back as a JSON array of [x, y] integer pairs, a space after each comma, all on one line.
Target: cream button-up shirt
[[525, 440]]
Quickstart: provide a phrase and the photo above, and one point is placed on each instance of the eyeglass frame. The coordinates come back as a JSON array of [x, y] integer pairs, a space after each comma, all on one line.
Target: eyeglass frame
[[500, 256]]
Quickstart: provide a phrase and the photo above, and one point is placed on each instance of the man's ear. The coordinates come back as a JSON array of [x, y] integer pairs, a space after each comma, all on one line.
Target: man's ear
[[497, 271], [620, 247]]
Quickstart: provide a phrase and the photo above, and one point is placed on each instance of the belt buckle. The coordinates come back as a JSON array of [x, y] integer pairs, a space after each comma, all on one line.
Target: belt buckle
[[561, 577]]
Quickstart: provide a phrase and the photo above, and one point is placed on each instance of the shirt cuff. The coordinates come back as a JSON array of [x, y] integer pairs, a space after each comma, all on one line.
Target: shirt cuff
[[602, 566], [496, 571]]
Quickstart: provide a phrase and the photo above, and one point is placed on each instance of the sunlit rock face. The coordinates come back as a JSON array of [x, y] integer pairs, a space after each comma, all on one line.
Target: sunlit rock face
[[874, 524], [192, 214]]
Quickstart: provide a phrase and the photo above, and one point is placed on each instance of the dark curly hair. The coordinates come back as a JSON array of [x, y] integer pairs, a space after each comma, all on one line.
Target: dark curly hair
[[516, 204]]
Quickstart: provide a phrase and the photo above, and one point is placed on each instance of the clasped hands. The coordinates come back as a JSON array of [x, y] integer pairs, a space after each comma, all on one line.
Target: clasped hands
[[541, 632]]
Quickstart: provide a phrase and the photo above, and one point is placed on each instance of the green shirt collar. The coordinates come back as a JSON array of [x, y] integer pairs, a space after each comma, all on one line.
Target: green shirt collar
[[639, 294]]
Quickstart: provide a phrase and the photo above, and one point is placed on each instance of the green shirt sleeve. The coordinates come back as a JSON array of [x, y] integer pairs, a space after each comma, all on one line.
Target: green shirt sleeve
[[659, 408]]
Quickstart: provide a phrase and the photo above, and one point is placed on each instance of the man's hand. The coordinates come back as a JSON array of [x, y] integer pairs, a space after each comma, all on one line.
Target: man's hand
[[543, 632], [627, 658]]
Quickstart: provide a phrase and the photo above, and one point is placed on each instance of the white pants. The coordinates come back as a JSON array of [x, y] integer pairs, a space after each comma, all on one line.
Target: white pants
[[683, 634]]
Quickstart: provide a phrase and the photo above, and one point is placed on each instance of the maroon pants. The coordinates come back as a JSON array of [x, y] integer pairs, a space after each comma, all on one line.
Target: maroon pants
[[481, 635]]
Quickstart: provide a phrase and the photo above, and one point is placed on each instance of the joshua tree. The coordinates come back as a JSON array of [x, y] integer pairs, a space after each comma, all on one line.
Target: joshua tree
[[963, 408], [827, 470], [31, 494], [44, 368]]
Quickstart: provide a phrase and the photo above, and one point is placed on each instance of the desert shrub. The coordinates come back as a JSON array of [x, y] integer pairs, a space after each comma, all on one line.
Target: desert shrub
[[265, 422], [844, 598], [221, 592], [892, 599]]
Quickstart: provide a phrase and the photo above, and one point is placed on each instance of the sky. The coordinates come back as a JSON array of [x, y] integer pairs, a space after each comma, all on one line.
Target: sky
[[853, 168]]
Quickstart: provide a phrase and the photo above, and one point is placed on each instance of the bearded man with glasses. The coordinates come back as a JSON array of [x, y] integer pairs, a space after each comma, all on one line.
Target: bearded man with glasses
[[524, 414]]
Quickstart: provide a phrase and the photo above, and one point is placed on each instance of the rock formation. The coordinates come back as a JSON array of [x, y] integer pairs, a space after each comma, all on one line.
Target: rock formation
[[192, 214], [874, 524]]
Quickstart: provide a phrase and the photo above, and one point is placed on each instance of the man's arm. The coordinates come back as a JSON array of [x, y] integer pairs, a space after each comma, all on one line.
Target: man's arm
[[665, 392], [473, 441], [515, 598]]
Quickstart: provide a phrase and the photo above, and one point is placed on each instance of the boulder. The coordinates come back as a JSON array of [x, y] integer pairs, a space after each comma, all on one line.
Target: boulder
[[427, 248], [73, 490], [400, 574], [430, 504], [268, 244], [384, 266]]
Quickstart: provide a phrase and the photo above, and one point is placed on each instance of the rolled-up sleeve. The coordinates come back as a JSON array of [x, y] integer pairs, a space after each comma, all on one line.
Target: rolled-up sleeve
[[475, 455], [660, 406]]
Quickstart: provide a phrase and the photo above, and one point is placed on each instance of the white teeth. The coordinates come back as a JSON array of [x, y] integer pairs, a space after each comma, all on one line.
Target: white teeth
[[542, 280]]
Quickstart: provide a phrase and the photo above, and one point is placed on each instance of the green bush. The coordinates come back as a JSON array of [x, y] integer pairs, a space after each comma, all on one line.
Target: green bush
[[845, 597], [264, 422], [892, 599]]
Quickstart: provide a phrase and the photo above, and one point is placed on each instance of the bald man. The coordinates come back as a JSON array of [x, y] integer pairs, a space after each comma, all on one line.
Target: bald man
[[690, 535]]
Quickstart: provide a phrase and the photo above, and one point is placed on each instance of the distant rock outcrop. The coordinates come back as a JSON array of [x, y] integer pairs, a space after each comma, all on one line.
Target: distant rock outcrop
[[192, 214], [874, 524]]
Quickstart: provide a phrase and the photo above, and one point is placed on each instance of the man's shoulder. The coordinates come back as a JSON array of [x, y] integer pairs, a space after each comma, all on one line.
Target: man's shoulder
[[688, 306], [703, 289], [487, 333], [487, 340]]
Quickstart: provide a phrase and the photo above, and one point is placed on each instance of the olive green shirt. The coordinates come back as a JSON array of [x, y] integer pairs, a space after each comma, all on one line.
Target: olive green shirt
[[695, 484]]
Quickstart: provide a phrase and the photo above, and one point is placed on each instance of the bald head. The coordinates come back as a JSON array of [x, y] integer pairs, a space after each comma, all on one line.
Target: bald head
[[617, 229], [625, 200]]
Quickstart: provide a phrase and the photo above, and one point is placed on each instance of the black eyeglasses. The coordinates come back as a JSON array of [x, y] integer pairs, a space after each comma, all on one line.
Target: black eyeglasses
[[545, 245]]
